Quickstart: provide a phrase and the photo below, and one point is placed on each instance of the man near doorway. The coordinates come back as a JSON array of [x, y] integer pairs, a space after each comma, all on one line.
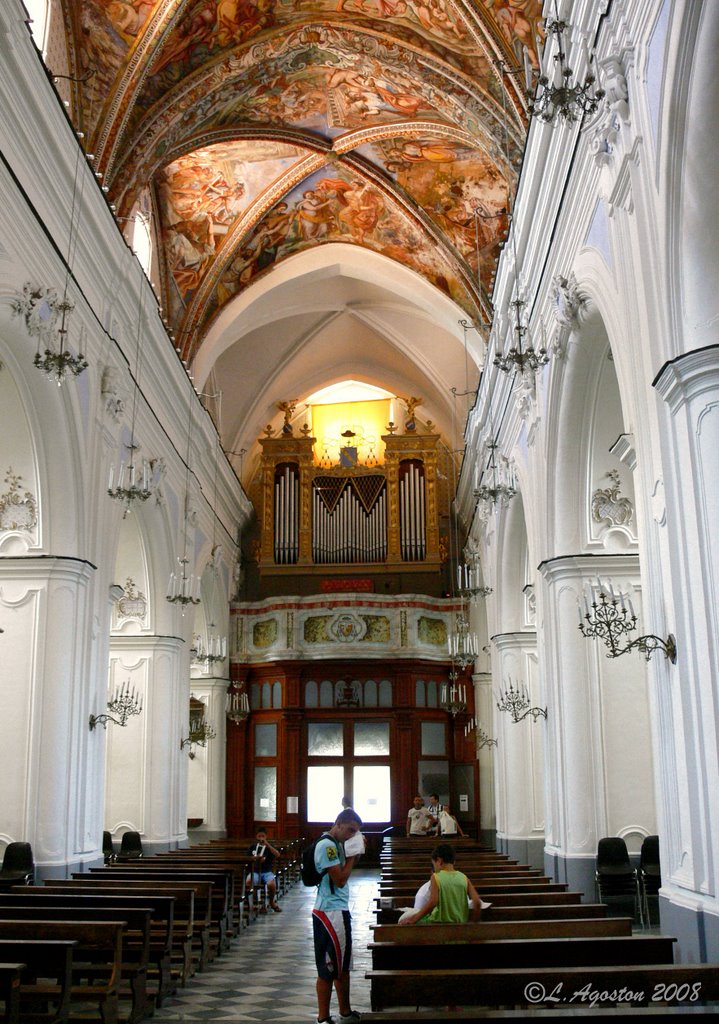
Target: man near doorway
[[331, 923], [434, 811], [418, 819]]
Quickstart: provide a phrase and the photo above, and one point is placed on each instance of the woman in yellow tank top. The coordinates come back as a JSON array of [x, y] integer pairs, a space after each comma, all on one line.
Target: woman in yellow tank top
[[447, 901]]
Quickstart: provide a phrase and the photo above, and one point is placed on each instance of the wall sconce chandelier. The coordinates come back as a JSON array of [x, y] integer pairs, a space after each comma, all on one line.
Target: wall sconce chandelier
[[200, 733], [614, 618], [518, 705], [562, 96], [237, 706], [124, 704], [483, 738]]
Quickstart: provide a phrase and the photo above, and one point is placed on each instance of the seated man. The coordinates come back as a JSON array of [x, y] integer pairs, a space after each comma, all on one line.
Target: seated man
[[262, 873], [418, 818], [450, 894]]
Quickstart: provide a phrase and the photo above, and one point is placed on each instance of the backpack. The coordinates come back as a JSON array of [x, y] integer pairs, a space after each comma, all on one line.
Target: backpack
[[308, 872]]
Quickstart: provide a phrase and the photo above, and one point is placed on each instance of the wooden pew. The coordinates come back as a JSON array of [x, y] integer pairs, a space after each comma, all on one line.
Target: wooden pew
[[473, 931], [524, 912], [220, 901], [10, 992], [135, 944], [96, 962], [524, 987], [530, 952], [75, 902], [45, 977], [188, 928]]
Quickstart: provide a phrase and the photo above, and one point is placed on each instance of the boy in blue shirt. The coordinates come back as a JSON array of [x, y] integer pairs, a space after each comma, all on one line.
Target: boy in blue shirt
[[331, 923]]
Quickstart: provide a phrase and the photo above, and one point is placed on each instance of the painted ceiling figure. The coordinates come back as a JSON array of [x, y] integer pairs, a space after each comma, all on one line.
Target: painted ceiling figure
[[173, 80]]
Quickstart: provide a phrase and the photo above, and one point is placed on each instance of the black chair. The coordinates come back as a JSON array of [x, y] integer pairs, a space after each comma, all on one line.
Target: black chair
[[18, 866], [108, 850], [616, 879], [130, 847], [650, 876]]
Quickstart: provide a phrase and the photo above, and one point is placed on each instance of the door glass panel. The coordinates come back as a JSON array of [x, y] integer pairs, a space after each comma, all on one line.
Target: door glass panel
[[324, 739], [325, 789], [433, 741], [265, 794], [266, 740], [371, 738], [371, 792]]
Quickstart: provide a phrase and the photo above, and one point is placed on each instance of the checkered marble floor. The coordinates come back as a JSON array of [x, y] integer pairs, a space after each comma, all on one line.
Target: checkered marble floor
[[269, 972]]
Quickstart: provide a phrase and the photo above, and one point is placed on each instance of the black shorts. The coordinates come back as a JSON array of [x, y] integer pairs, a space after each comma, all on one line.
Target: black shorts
[[332, 931]]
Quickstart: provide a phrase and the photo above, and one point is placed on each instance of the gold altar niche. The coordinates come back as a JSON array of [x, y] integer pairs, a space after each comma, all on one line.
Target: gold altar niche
[[380, 516]]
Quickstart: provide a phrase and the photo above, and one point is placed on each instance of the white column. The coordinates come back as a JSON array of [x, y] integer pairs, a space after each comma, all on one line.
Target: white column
[[688, 706], [599, 755], [485, 713], [49, 760], [520, 753], [206, 771], [146, 786]]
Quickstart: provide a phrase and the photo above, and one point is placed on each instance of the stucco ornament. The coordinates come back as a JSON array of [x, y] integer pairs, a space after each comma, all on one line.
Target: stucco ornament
[[40, 308], [568, 300], [614, 111], [113, 393], [18, 511], [609, 507]]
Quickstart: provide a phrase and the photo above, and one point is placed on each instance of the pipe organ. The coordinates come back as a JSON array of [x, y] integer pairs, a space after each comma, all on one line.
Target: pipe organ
[[383, 515]]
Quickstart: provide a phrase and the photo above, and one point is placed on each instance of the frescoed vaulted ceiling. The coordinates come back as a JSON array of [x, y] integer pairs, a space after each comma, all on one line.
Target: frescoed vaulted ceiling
[[258, 131]]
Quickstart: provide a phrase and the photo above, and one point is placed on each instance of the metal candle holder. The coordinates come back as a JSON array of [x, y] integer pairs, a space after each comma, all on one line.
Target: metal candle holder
[[613, 618], [517, 704], [124, 704]]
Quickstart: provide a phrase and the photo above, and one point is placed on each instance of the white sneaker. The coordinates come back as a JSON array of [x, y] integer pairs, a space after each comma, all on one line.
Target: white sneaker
[[349, 1018]]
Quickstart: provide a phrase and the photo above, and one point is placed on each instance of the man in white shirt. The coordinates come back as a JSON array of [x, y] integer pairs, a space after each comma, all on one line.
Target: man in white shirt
[[418, 818]]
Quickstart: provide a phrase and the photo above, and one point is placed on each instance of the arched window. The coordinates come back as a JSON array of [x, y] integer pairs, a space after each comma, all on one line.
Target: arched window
[[370, 694], [432, 694], [311, 694], [385, 694], [326, 694], [266, 695], [277, 694], [142, 240], [39, 12], [420, 698]]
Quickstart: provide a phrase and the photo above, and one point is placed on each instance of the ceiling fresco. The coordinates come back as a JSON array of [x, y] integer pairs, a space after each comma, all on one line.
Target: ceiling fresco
[[259, 129]]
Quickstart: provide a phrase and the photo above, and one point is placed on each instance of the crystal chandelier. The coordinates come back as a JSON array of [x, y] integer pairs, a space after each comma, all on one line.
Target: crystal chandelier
[[215, 649], [469, 582], [563, 96], [523, 358], [463, 644], [56, 361], [134, 480], [495, 486], [184, 589], [237, 706], [453, 696], [130, 486]]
